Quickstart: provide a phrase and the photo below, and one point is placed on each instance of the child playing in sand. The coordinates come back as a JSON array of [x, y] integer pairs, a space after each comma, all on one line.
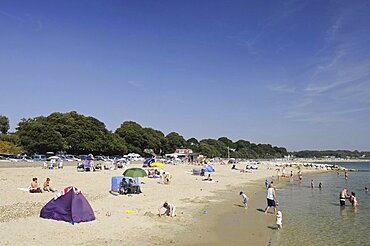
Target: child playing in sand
[[245, 199], [279, 219], [170, 209]]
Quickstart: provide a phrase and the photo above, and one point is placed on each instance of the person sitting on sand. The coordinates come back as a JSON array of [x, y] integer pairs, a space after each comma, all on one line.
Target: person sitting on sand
[[35, 187], [208, 178], [245, 199], [47, 185], [170, 209], [279, 220], [123, 187], [353, 199]]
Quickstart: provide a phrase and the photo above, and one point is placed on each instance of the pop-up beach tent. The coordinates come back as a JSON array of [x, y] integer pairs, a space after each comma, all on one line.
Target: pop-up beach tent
[[69, 205], [209, 168]]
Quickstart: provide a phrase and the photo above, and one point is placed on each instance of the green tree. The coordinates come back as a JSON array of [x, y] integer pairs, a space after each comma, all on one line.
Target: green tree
[[219, 149], [69, 132], [173, 142], [193, 144], [228, 142], [154, 140], [133, 135], [4, 124]]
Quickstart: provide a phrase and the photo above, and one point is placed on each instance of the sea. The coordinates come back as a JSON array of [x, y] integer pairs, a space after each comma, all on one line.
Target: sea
[[314, 217]]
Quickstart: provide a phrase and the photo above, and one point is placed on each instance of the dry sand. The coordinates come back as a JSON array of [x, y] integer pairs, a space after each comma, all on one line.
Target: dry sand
[[20, 223]]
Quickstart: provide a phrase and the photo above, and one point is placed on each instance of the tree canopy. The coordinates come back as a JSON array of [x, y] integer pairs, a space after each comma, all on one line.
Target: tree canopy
[[78, 134], [69, 132], [4, 124]]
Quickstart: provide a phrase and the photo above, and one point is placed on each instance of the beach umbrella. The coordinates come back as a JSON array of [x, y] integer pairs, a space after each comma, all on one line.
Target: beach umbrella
[[157, 164], [134, 172], [149, 160]]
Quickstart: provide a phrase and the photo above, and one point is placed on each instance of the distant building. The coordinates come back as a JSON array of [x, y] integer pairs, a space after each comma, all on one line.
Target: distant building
[[183, 154]]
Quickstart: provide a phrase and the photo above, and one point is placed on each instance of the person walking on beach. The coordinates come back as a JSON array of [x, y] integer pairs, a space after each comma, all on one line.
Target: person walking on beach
[[345, 175], [311, 183], [279, 220], [343, 195], [320, 185], [267, 184], [245, 199], [271, 198]]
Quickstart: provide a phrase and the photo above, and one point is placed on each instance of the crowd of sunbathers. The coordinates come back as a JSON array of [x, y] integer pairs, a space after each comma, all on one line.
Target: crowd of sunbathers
[[35, 188]]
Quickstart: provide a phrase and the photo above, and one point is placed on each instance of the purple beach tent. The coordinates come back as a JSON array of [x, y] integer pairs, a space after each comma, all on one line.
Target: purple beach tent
[[69, 205]]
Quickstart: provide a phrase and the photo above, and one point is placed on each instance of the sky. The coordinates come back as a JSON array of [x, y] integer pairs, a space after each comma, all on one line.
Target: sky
[[289, 73]]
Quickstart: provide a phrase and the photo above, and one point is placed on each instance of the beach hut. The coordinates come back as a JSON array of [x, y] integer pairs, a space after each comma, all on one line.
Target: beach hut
[[69, 205]]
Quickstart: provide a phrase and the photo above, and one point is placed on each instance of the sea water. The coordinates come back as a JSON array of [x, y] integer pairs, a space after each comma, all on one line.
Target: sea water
[[314, 217]]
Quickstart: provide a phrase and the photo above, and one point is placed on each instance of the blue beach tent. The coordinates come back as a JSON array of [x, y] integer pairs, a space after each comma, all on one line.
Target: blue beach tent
[[209, 168]]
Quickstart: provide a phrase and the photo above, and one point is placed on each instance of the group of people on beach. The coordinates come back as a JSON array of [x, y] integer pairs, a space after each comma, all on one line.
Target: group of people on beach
[[271, 202], [35, 188], [343, 196]]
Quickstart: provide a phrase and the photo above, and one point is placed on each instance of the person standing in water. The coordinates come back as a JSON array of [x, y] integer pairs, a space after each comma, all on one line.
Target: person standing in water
[[353, 199], [345, 175], [291, 176], [300, 176], [343, 195]]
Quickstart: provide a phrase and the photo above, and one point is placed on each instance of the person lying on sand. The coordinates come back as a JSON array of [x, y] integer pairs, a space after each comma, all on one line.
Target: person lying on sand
[[35, 187], [47, 185]]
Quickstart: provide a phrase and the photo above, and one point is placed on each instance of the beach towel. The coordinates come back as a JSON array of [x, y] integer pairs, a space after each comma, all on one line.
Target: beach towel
[[24, 189], [209, 181]]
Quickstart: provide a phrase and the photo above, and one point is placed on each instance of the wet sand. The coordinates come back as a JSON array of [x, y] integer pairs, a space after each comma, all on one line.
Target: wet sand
[[229, 223]]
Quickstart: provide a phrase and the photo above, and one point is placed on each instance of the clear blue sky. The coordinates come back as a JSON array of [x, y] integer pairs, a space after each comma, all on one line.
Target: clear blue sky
[[289, 73]]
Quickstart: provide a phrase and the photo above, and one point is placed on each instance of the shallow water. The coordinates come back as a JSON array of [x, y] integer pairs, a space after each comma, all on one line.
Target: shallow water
[[314, 217]]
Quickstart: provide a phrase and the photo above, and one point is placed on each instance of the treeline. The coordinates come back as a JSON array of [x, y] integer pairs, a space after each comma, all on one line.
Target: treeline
[[331, 153], [78, 134]]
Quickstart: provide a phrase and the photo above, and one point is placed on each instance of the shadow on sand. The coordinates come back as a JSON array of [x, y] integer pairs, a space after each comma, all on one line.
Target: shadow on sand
[[273, 227]]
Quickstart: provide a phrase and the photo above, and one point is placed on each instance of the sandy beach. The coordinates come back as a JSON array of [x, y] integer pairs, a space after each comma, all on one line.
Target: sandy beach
[[20, 222]]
